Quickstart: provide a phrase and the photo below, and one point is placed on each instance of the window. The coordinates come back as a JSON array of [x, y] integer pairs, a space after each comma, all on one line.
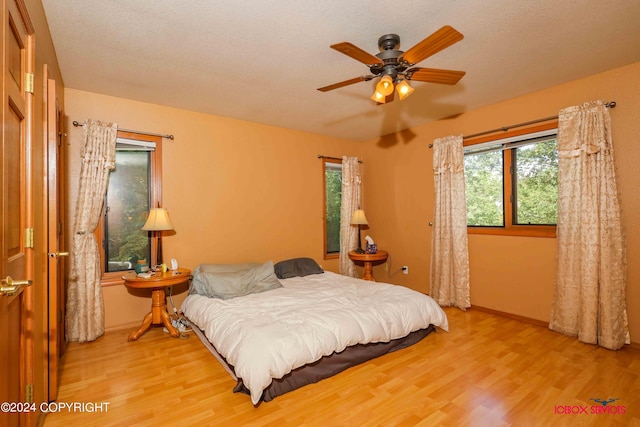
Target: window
[[134, 186], [512, 183], [332, 178]]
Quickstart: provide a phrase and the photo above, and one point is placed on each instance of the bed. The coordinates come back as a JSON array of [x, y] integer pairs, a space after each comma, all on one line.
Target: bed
[[278, 327]]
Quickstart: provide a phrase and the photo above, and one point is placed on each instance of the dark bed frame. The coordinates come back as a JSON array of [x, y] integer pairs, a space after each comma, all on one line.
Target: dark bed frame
[[325, 367]]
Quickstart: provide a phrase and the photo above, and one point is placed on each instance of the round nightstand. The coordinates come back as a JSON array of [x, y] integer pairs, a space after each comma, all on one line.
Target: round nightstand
[[157, 283], [368, 260]]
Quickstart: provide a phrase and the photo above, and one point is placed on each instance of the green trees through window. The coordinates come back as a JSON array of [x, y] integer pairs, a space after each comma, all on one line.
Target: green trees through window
[[127, 207], [536, 182], [332, 202], [483, 182], [512, 183]]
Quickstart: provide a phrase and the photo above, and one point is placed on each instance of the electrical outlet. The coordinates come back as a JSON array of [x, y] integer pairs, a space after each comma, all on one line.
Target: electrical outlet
[[405, 269]]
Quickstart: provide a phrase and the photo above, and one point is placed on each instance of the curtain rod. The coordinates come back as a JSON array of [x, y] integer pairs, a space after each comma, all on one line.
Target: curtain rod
[[76, 124], [320, 156], [611, 104]]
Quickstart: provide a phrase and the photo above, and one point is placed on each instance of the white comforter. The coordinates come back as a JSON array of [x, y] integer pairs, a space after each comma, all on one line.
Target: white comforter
[[266, 335]]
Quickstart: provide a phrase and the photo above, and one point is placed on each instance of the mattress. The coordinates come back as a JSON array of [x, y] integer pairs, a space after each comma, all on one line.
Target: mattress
[[265, 336]]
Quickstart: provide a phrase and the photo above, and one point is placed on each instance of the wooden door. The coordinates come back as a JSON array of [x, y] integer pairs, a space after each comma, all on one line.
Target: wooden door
[[16, 345], [55, 238]]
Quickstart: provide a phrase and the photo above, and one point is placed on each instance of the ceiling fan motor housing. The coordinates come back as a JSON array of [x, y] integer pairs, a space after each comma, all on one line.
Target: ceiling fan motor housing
[[389, 54], [388, 41]]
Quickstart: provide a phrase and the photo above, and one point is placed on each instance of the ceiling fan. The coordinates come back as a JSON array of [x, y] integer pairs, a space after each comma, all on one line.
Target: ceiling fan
[[395, 67]]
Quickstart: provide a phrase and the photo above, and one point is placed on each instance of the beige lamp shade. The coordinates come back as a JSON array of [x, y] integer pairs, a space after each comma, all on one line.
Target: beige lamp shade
[[404, 89], [378, 97], [158, 220], [385, 86], [359, 218]]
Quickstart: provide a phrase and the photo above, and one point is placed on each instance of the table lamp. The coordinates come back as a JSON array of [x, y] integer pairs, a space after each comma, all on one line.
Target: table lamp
[[157, 222], [358, 218]]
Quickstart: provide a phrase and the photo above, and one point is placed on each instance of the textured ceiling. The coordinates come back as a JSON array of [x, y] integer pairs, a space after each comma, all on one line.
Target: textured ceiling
[[263, 60]]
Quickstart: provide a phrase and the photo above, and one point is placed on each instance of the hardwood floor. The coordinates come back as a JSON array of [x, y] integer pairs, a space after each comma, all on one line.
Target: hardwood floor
[[488, 371]]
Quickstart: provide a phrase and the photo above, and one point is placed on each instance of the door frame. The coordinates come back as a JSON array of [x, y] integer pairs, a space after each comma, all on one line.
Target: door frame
[[53, 219]]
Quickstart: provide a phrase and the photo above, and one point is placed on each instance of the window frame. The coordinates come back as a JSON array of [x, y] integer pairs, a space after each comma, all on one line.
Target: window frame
[[327, 255], [508, 191], [155, 199]]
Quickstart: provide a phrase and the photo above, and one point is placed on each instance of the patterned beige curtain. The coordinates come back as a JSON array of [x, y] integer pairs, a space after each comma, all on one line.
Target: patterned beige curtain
[[85, 309], [589, 297], [351, 183], [449, 246]]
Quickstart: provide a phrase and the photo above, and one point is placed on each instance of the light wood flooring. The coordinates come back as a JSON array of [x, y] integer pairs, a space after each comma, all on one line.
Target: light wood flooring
[[488, 371]]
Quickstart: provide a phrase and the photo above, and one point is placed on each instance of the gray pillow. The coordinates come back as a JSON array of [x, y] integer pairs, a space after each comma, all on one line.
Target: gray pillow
[[226, 268], [232, 282], [297, 267]]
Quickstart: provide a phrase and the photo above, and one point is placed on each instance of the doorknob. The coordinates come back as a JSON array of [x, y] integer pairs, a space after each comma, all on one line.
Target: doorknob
[[10, 287], [58, 254]]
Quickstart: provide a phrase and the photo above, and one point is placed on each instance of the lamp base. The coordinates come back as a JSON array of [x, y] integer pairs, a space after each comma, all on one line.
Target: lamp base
[[359, 250]]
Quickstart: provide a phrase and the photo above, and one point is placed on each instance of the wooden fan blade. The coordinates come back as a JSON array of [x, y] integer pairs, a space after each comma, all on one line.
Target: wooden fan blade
[[356, 53], [434, 75], [441, 39], [345, 83]]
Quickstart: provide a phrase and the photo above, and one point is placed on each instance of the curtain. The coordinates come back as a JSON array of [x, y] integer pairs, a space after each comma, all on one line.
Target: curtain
[[589, 300], [350, 202], [85, 308], [449, 246]]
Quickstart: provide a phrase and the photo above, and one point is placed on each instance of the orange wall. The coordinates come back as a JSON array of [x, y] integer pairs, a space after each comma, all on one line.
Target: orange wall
[[236, 191], [510, 274]]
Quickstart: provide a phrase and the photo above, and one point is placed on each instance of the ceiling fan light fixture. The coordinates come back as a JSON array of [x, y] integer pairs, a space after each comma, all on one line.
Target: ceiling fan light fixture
[[404, 89], [385, 86], [378, 97]]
